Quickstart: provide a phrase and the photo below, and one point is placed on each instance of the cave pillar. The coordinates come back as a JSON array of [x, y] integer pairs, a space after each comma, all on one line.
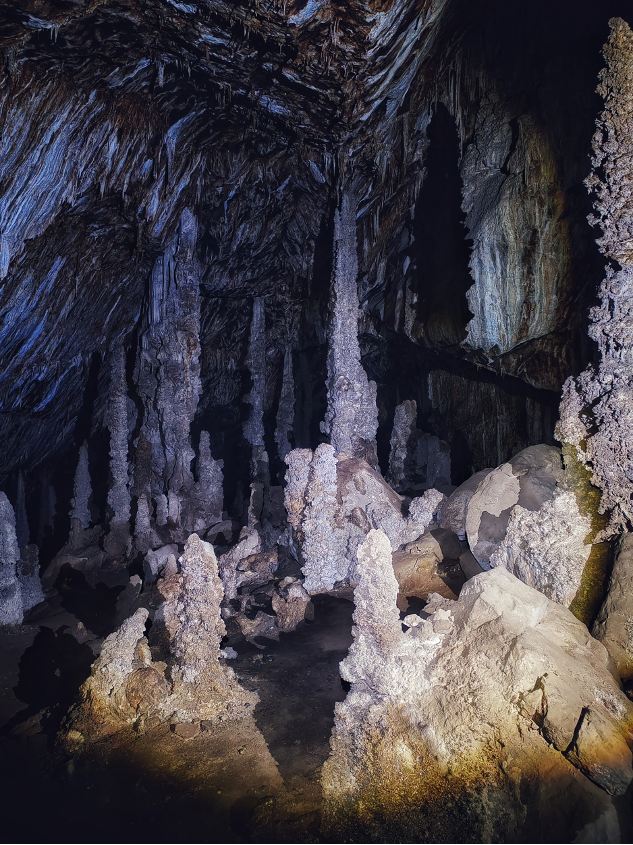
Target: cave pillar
[[351, 419], [118, 539], [80, 517]]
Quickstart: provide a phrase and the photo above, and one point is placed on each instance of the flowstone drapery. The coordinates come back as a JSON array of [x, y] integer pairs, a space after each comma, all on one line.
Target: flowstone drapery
[[351, 419]]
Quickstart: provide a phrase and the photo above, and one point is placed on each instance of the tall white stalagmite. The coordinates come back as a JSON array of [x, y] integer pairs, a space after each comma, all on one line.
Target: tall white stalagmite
[[286, 410], [119, 492], [351, 419], [11, 611], [596, 413]]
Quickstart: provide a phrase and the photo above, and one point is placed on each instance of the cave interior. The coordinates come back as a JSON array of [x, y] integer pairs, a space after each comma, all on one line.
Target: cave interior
[[312, 321]]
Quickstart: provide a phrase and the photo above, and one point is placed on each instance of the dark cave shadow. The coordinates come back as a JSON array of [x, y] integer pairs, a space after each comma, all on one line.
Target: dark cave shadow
[[298, 684], [51, 670], [94, 606]]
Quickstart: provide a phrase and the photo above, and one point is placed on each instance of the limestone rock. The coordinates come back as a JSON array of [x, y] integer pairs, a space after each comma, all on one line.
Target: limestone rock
[[123, 687], [420, 569], [526, 516], [292, 604], [402, 442], [261, 625], [452, 511], [11, 609], [473, 719], [614, 625], [80, 518], [596, 411], [249, 544], [156, 560], [546, 548]]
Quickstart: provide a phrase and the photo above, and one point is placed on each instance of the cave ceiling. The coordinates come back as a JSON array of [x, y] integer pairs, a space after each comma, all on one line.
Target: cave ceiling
[[116, 115]]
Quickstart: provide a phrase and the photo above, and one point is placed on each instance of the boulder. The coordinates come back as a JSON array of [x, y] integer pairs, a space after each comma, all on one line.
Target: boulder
[[614, 625], [452, 512], [474, 721], [526, 516]]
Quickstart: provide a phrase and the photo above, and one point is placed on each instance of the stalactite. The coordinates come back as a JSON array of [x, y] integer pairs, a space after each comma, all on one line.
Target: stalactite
[[80, 517], [351, 419], [402, 442], [286, 410], [118, 539], [596, 414], [10, 594], [21, 516], [168, 370]]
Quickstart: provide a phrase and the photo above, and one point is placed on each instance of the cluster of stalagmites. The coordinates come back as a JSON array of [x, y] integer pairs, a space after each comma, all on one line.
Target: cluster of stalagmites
[[177, 674]]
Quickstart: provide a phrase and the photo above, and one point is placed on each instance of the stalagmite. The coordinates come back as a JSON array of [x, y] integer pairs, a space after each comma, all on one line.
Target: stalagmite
[[11, 610], [286, 410], [254, 424], [475, 719], [351, 419], [142, 525], [332, 502], [209, 492], [168, 371], [118, 539], [596, 413], [126, 688], [80, 517], [203, 688], [402, 442], [29, 577]]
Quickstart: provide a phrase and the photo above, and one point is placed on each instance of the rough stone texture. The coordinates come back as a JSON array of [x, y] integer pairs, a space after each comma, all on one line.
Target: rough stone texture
[[209, 489], [249, 544], [292, 605], [119, 499], [11, 610], [596, 412], [168, 373], [127, 688], [526, 516], [614, 625], [475, 720], [332, 503], [351, 420], [80, 518], [452, 511], [156, 560], [402, 442], [203, 688], [546, 548], [142, 525], [424, 567], [286, 409]]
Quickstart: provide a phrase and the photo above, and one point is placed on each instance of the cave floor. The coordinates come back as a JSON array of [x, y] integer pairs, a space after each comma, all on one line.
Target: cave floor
[[252, 780]]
